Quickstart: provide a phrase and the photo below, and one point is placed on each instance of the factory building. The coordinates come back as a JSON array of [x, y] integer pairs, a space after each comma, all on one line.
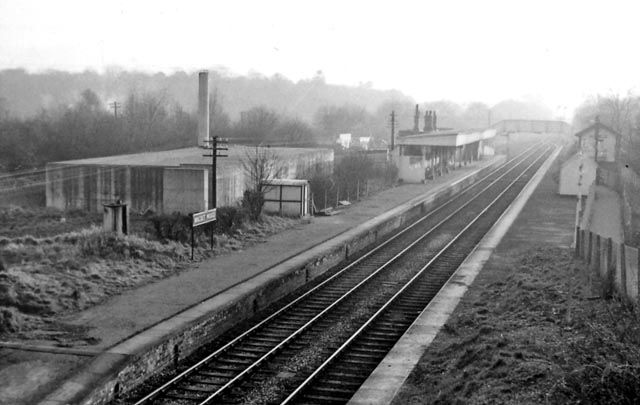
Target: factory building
[[169, 181], [424, 155]]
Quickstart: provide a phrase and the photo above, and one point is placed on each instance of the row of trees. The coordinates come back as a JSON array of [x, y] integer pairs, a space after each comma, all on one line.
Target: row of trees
[[154, 120], [25, 93], [146, 121]]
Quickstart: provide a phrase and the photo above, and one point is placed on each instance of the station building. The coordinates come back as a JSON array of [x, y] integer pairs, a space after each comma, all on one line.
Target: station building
[[597, 151], [424, 155], [170, 181]]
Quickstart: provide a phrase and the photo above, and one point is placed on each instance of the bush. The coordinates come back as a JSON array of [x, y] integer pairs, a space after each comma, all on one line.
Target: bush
[[229, 219], [252, 202], [174, 226], [10, 320]]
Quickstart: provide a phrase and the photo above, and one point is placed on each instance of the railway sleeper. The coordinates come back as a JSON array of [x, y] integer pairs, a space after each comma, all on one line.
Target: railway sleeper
[[300, 315], [179, 397], [215, 374], [285, 323], [256, 349], [369, 350], [233, 368], [393, 324], [382, 339], [218, 381], [384, 334], [352, 378], [359, 361], [235, 360], [320, 398], [332, 390], [350, 385], [198, 390], [272, 335], [371, 345]]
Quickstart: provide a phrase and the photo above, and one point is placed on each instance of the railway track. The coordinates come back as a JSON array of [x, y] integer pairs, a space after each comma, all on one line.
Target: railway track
[[320, 347]]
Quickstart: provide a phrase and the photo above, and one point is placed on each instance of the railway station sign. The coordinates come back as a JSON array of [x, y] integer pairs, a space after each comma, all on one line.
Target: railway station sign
[[204, 217]]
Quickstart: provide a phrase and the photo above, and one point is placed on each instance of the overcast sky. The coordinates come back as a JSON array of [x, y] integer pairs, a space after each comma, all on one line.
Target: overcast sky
[[556, 51]]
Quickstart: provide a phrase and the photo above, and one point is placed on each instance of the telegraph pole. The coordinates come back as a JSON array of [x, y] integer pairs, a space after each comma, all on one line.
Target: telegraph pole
[[214, 163], [596, 135], [214, 183], [115, 105], [393, 129]]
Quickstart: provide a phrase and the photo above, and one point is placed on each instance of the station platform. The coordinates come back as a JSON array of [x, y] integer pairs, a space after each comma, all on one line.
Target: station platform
[[140, 318]]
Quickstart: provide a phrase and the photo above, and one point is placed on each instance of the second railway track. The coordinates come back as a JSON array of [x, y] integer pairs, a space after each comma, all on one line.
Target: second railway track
[[322, 346]]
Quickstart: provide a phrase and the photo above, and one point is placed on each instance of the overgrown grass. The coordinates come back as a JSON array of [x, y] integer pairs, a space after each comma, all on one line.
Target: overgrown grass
[[532, 331], [43, 277]]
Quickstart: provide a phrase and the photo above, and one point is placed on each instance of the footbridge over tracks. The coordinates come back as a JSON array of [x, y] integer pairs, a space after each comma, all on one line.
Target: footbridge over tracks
[[531, 126]]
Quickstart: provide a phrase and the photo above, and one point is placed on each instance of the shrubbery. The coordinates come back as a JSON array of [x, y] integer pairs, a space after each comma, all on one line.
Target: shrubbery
[[174, 226], [229, 219], [252, 203], [177, 226]]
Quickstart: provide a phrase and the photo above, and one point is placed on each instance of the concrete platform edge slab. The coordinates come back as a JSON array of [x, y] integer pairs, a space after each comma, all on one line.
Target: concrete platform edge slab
[[96, 383], [386, 380]]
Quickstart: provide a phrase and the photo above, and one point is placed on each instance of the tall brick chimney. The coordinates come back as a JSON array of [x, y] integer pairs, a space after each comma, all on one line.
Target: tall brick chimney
[[416, 120], [203, 108], [427, 121], [435, 121]]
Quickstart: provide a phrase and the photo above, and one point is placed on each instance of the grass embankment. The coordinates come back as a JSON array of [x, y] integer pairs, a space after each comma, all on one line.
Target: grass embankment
[[532, 331], [45, 277]]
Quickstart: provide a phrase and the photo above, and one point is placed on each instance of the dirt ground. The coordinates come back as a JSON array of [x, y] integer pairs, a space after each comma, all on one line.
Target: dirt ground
[[532, 329]]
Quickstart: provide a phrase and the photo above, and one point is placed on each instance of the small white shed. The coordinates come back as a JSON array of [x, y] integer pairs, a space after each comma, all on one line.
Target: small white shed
[[286, 197]]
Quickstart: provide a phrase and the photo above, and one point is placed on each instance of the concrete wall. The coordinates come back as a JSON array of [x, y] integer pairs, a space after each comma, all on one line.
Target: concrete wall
[[185, 190], [87, 187]]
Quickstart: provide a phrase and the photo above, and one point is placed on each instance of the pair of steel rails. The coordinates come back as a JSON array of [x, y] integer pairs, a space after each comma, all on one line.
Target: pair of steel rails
[[388, 287]]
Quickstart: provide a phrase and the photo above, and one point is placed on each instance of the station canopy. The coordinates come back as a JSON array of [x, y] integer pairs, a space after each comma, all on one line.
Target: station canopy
[[446, 138]]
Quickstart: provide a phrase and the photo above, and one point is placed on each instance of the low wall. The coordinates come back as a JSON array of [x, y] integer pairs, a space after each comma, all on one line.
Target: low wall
[[120, 370]]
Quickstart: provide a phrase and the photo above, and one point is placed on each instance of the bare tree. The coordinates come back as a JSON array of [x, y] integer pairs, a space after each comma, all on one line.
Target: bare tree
[[618, 110], [261, 165], [257, 124]]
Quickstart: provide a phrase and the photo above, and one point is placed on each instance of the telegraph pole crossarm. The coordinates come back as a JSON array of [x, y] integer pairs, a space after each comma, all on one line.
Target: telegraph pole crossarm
[[213, 144]]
